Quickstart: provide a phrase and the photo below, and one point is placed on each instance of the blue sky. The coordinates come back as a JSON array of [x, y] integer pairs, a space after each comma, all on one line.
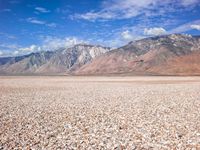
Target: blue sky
[[34, 25]]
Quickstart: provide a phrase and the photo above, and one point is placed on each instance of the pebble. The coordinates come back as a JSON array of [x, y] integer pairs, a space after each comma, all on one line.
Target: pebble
[[99, 113]]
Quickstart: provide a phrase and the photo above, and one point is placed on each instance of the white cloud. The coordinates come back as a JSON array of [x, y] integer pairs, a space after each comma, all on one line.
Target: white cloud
[[42, 10], [53, 43], [185, 27], [94, 15], [40, 22], [195, 26], [8, 36], [7, 53], [155, 31], [35, 21], [6, 10], [52, 25], [1, 53], [13, 49], [9, 46], [118, 9], [32, 48], [49, 43], [117, 41], [121, 37], [126, 35], [15, 52], [189, 2]]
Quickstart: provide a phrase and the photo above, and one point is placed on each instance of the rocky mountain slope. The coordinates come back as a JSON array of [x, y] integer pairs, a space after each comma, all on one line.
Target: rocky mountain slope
[[174, 54], [162, 55], [61, 61]]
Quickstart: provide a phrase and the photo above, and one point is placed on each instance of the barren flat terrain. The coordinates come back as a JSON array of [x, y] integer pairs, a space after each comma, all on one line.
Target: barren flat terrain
[[99, 112]]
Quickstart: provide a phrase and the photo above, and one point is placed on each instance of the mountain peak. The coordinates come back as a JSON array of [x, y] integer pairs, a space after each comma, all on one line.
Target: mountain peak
[[52, 62], [90, 45], [148, 56], [138, 56]]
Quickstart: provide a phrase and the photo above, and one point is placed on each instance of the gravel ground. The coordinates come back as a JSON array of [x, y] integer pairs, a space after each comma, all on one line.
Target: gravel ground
[[100, 113]]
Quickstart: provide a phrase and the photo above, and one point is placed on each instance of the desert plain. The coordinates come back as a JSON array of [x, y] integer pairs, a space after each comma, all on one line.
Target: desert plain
[[61, 112]]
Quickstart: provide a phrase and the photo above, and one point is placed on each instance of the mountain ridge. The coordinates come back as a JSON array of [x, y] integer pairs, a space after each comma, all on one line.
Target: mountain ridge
[[153, 55], [142, 55], [51, 62]]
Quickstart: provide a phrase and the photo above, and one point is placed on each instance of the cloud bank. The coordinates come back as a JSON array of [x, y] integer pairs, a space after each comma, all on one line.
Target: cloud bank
[[118, 9]]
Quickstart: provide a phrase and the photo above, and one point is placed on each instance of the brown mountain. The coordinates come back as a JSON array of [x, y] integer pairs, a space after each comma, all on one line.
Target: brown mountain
[[183, 65], [62, 61], [174, 54]]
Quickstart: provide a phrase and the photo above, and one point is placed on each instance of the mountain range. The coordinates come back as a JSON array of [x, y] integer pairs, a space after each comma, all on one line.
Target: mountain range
[[175, 54]]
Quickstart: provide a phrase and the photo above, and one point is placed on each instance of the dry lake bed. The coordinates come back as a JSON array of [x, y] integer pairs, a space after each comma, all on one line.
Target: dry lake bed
[[100, 113]]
